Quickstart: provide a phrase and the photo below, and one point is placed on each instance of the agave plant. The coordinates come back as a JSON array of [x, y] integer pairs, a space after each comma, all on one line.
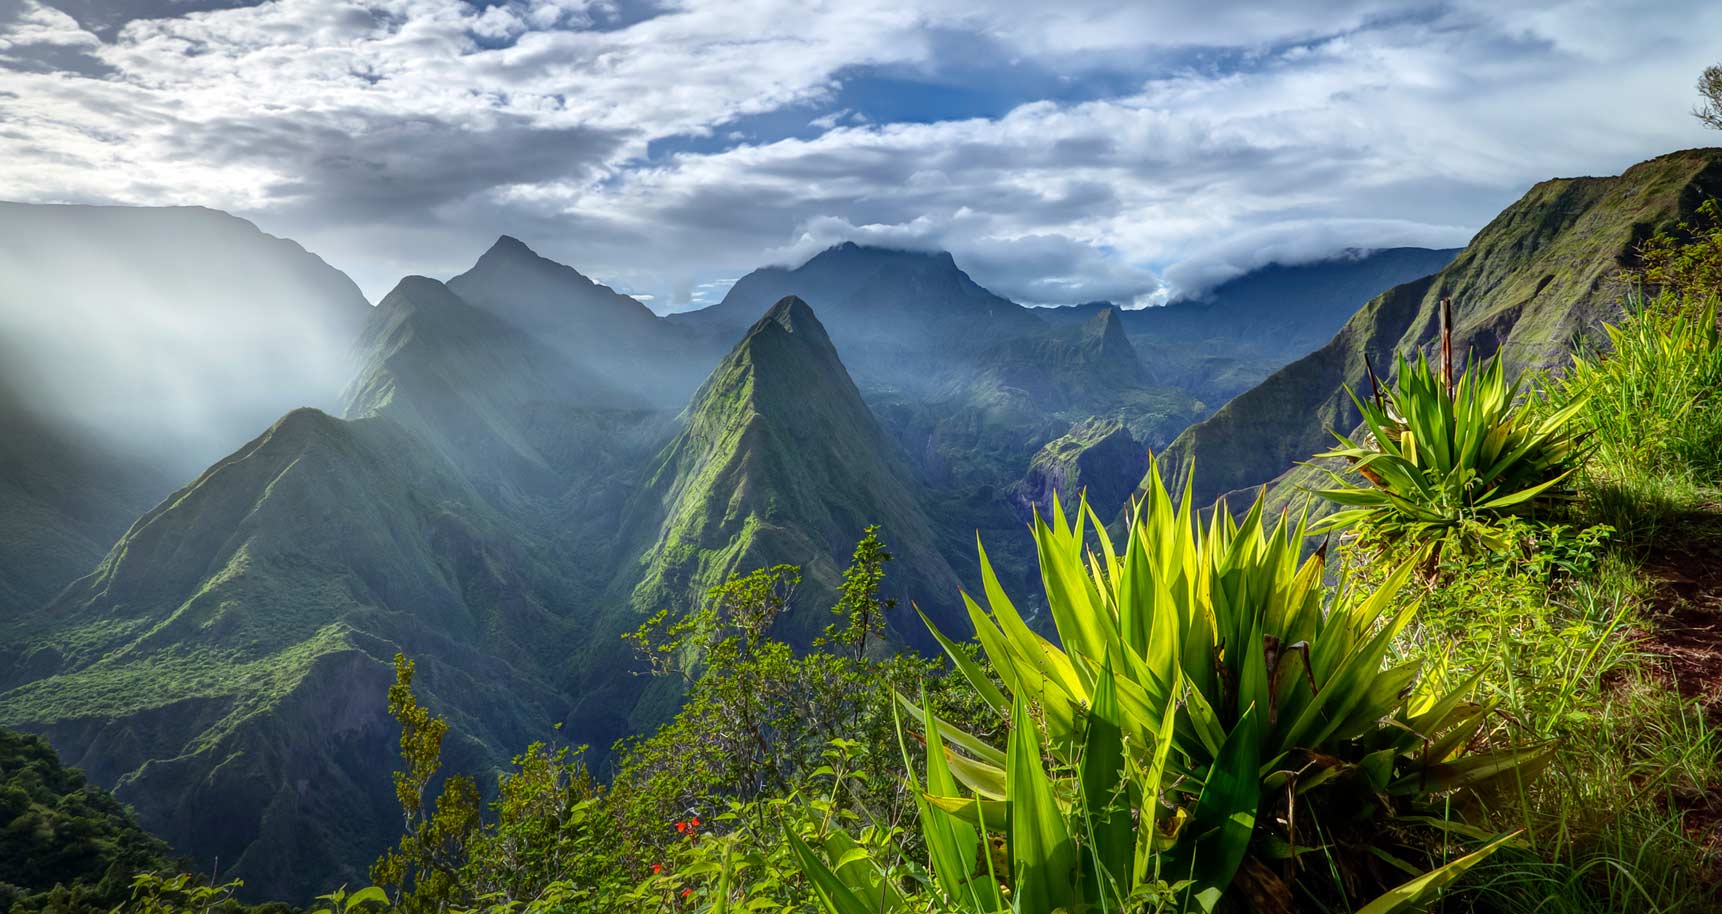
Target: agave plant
[[1200, 703], [1440, 456]]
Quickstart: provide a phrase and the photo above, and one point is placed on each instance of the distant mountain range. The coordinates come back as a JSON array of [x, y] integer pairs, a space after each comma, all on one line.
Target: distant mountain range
[[513, 467], [1234, 335]]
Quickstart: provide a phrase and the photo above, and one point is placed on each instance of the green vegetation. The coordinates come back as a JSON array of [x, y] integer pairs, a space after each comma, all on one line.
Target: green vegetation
[[779, 457], [1444, 456], [1207, 721], [1709, 110], [65, 845]]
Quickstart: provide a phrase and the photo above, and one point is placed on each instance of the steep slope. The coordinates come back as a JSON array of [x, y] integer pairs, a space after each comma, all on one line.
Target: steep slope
[[611, 334], [224, 668], [137, 345], [1098, 458], [982, 428], [779, 460], [172, 334], [1542, 274], [1061, 367]]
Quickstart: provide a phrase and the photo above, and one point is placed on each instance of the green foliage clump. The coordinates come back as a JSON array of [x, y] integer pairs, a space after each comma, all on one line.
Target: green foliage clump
[[423, 869], [1441, 456], [1709, 110], [1205, 719], [1648, 399], [757, 714], [861, 608], [65, 845]]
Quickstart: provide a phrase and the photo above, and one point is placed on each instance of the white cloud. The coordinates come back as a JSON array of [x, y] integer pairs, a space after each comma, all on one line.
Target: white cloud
[[37, 24], [400, 135]]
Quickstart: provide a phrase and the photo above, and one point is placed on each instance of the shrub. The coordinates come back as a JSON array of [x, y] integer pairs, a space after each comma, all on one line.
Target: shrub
[[1440, 457], [1202, 723]]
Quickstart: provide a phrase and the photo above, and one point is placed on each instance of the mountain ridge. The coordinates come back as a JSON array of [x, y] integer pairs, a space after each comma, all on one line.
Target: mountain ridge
[[728, 476]]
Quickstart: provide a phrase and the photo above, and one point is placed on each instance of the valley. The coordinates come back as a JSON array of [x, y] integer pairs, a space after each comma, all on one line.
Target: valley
[[521, 465]]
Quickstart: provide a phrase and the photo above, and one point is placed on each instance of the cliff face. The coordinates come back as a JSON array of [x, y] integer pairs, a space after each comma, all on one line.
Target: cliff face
[[1098, 458]]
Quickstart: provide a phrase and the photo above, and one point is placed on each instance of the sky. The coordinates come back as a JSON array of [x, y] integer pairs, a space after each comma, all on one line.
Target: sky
[[1064, 152]]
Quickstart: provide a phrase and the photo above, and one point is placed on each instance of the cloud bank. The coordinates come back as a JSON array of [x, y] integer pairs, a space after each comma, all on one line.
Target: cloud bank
[[1095, 150]]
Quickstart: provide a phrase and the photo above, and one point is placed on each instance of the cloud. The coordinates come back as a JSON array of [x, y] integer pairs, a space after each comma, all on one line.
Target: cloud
[[1147, 147], [354, 166], [1307, 241]]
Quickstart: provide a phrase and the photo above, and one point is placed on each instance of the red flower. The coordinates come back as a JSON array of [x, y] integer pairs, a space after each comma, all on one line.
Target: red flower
[[657, 868], [687, 892], [681, 827], [695, 823]]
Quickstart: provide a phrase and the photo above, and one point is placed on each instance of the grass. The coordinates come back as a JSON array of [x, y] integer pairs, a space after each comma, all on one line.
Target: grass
[[1562, 658], [1651, 413]]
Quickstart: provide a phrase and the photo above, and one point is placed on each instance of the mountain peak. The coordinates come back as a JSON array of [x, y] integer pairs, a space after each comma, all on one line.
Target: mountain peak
[[791, 315], [1105, 322], [508, 244], [414, 291], [850, 249]]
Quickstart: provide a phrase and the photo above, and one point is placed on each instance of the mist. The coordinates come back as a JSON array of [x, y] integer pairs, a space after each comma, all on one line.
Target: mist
[[171, 336]]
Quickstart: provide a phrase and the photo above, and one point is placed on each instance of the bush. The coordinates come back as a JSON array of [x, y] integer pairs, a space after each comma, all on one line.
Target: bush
[[1440, 458], [1205, 719]]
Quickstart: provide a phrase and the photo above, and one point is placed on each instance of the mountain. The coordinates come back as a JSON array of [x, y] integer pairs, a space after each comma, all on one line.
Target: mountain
[[779, 460], [493, 399], [1228, 339], [1544, 273], [981, 428], [168, 334], [137, 345], [611, 334], [224, 667], [1063, 366], [881, 306]]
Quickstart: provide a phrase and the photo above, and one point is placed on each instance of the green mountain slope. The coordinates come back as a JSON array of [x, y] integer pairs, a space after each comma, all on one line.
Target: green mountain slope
[[137, 345], [225, 665], [1540, 275], [779, 460], [1098, 458]]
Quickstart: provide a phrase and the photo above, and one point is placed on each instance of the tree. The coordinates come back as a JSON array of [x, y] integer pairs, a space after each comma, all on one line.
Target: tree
[[423, 870], [1710, 90], [861, 608]]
